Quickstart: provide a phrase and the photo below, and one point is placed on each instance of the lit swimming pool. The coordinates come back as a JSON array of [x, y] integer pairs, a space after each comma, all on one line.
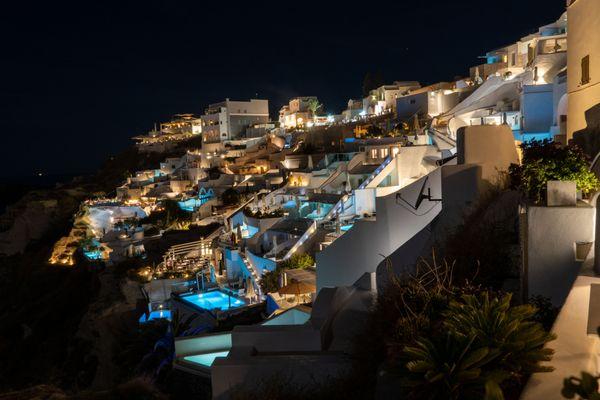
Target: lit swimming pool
[[160, 314], [93, 252], [214, 300], [346, 228], [206, 359]]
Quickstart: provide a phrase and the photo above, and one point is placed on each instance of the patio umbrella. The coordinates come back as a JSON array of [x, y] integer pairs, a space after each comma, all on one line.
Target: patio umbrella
[[250, 292], [417, 126], [348, 187], [297, 288]]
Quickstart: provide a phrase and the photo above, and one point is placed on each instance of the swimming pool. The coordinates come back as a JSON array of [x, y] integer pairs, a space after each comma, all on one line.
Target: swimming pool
[[206, 359], [214, 300], [93, 252], [159, 314], [346, 228]]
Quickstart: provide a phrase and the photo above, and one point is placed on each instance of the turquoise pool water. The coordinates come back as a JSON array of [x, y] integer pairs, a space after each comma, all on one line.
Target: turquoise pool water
[[191, 204], [213, 300], [93, 254], [206, 359], [346, 228], [162, 314]]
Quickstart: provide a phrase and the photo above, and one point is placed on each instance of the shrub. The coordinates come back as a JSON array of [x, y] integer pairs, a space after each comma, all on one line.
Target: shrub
[[296, 261], [545, 161], [269, 282], [487, 343]]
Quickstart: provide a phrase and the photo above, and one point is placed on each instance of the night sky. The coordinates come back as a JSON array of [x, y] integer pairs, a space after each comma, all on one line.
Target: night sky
[[79, 79]]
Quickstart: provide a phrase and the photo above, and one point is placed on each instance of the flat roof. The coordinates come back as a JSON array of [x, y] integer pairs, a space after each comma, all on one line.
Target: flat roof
[[296, 226]]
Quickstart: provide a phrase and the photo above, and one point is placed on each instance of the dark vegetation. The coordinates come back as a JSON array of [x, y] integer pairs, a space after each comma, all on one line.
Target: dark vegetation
[[230, 197], [270, 280], [169, 213], [545, 161]]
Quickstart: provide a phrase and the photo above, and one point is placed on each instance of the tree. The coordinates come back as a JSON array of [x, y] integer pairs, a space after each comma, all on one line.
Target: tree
[[314, 106], [298, 261], [269, 282], [544, 161], [487, 343]]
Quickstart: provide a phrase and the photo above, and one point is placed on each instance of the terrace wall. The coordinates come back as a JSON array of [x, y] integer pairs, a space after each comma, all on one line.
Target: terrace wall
[[363, 247]]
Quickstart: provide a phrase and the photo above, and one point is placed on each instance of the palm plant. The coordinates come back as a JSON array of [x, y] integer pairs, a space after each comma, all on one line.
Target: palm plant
[[313, 106], [453, 367], [497, 325], [487, 343]]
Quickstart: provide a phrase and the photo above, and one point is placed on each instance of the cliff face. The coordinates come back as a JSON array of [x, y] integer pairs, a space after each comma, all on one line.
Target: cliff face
[[34, 216]]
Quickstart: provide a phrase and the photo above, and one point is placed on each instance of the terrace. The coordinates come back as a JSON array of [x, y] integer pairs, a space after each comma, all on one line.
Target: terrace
[[196, 354]]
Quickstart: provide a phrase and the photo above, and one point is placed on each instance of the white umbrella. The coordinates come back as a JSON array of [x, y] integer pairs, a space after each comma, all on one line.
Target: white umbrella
[[250, 292]]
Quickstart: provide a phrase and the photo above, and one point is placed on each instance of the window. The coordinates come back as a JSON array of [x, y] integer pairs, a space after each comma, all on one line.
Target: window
[[384, 153], [513, 59], [412, 101], [373, 153], [585, 70]]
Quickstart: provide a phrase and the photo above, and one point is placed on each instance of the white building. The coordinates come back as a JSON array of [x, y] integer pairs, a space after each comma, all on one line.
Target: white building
[[299, 112], [229, 119], [583, 62], [383, 99]]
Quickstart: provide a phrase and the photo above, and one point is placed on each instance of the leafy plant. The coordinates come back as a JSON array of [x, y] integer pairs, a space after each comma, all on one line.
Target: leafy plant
[[487, 343], [314, 106], [270, 281], [296, 261], [510, 330], [545, 161], [453, 367]]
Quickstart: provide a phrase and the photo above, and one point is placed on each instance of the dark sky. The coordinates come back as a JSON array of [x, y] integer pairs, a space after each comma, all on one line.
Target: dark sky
[[79, 79]]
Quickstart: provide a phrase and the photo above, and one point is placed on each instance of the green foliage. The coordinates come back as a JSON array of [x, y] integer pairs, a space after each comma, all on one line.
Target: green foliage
[[296, 261], [487, 343], [269, 282], [509, 329], [545, 161], [546, 312], [453, 367], [171, 213], [314, 106]]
